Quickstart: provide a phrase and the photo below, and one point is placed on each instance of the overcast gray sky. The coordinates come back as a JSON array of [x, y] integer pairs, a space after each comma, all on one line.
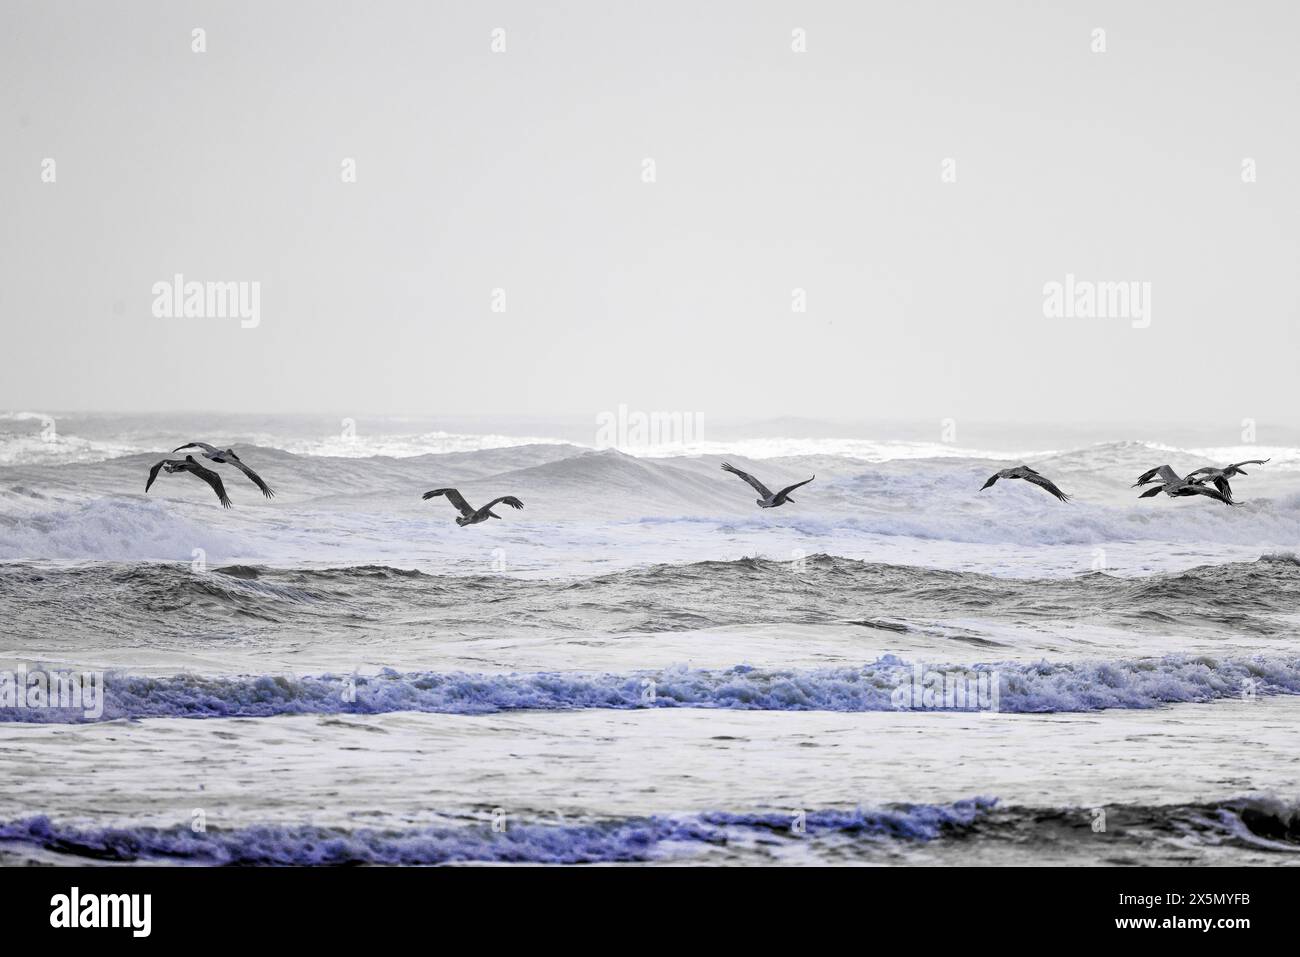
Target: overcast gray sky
[[775, 170]]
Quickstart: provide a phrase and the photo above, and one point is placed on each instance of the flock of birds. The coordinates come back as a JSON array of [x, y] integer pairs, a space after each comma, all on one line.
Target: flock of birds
[[1208, 480], [468, 514], [1196, 482], [189, 464]]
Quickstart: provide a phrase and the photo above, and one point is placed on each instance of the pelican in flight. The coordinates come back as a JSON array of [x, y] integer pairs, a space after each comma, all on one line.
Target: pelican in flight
[[1220, 476], [1029, 475], [468, 514], [189, 465], [228, 457], [768, 500], [1169, 482]]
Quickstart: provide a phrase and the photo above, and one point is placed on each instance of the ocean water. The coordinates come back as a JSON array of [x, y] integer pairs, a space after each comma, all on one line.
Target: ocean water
[[641, 666]]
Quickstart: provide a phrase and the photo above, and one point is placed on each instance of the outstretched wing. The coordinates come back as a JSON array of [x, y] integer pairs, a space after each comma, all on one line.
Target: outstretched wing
[[1222, 485], [759, 487], [1150, 474], [1237, 465], [1213, 493], [790, 488], [198, 445], [992, 478], [257, 479], [457, 500], [153, 474], [507, 499], [1203, 470], [213, 479], [1041, 482]]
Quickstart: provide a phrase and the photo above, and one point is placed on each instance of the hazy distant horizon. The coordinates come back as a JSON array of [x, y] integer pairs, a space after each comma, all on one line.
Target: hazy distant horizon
[[584, 428]]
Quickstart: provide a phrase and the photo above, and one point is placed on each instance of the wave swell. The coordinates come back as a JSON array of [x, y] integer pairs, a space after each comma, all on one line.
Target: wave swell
[[1251, 598]]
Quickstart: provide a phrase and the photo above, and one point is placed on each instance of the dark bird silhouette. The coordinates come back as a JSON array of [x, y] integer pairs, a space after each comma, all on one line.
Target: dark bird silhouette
[[768, 499], [1167, 477], [1029, 475], [1176, 486], [228, 457], [1149, 476], [188, 464], [468, 514], [1220, 476]]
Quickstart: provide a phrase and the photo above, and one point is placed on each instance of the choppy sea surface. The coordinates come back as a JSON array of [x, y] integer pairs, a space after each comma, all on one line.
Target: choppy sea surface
[[641, 666]]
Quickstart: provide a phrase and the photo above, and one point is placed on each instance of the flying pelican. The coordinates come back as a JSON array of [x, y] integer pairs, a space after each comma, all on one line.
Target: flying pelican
[[228, 457], [468, 514], [1175, 486], [1029, 475], [1220, 476], [189, 465], [768, 500]]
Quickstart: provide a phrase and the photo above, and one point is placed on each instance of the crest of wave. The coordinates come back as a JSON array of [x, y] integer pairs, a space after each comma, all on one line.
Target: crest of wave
[[401, 445], [119, 529], [54, 448]]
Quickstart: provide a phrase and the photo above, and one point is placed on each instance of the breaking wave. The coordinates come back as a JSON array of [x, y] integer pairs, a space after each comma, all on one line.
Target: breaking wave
[[1255, 823], [115, 529], [887, 684], [609, 841]]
